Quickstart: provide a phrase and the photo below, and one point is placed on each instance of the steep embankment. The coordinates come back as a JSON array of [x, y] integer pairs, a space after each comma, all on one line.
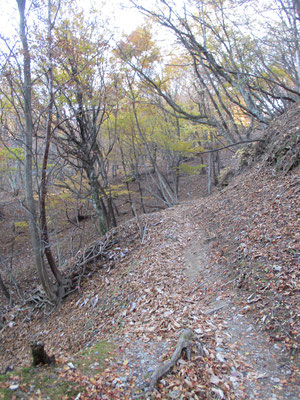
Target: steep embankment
[[224, 266]]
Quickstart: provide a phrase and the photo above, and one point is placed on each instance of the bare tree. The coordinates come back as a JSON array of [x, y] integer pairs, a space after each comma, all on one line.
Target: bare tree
[[4, 289], [87, 102], [30, 204], [234, 88]]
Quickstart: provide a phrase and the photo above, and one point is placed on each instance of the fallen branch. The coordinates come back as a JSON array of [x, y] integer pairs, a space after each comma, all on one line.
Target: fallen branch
[[78, 268], [215, 309], [196, 288], [145, 231], [183, 344]]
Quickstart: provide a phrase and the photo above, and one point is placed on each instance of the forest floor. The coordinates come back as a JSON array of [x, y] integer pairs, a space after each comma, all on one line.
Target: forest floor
[[224, 266]]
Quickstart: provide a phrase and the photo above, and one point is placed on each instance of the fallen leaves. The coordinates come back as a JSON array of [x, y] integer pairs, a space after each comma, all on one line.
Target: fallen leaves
[[146, 299]]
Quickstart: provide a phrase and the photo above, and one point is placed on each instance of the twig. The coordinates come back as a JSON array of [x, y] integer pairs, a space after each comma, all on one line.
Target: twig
[[215, 309], [230, 145], [229, 282], [5, 326], [145, 230], [196, 288]]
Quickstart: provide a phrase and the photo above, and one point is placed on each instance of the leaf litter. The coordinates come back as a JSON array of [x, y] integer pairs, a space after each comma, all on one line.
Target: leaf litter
[[223, 266]]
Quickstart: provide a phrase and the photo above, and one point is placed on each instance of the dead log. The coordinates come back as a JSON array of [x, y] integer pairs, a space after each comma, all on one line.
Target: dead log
[[183, 345], [39, 355]]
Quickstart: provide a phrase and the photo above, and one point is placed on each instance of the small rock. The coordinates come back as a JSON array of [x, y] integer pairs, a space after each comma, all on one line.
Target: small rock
[[14, 387], [123, 378], [277, 268], [174, 394], [115, 382], [94, 301], [220, 357], [71, 365], [288, 372], [275, 380]]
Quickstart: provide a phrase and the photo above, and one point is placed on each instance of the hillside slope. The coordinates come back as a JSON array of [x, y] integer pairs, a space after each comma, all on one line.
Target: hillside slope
[[224, 266]]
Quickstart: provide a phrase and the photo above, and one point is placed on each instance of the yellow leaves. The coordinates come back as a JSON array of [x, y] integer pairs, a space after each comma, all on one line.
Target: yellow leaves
[[182, 147], [175, 68], [191, 169], [93, 381], [141, 42], [116, 190], [16, 153], [21, 224], [172, 143]]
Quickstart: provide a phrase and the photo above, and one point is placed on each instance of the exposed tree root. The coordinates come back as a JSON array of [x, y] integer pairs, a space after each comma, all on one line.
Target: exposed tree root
[[183, 345]]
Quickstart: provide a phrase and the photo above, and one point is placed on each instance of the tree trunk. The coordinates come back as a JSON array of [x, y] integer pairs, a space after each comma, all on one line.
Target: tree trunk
[[45, 236], [209, 172], [297, 7], [34, 231], [96, 200], [4, 289], [111, 213]]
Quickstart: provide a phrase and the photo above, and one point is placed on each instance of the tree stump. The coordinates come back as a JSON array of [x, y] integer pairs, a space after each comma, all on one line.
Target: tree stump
[[39, 355]]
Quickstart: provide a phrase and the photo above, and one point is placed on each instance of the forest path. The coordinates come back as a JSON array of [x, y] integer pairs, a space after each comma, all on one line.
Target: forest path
[[168, 281], [260, 369], [177, 285]]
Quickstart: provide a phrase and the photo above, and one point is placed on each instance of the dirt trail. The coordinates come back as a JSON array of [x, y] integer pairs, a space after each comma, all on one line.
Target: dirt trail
[[187, 290], [258, 367], [166, 284]]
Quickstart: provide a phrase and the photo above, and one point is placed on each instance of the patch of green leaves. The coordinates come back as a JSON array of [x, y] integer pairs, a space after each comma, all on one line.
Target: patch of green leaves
[[92, 360], [42, 381]]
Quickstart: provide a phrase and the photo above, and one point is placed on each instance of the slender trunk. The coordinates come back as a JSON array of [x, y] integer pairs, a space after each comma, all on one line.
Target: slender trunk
[[111, 213], [141, 197], [218, 164], [177, 177], [45, 236], [97, 202], [4, 289], [34, 231], [163, 186], [125, 174], [209, 173], [297, 7]]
